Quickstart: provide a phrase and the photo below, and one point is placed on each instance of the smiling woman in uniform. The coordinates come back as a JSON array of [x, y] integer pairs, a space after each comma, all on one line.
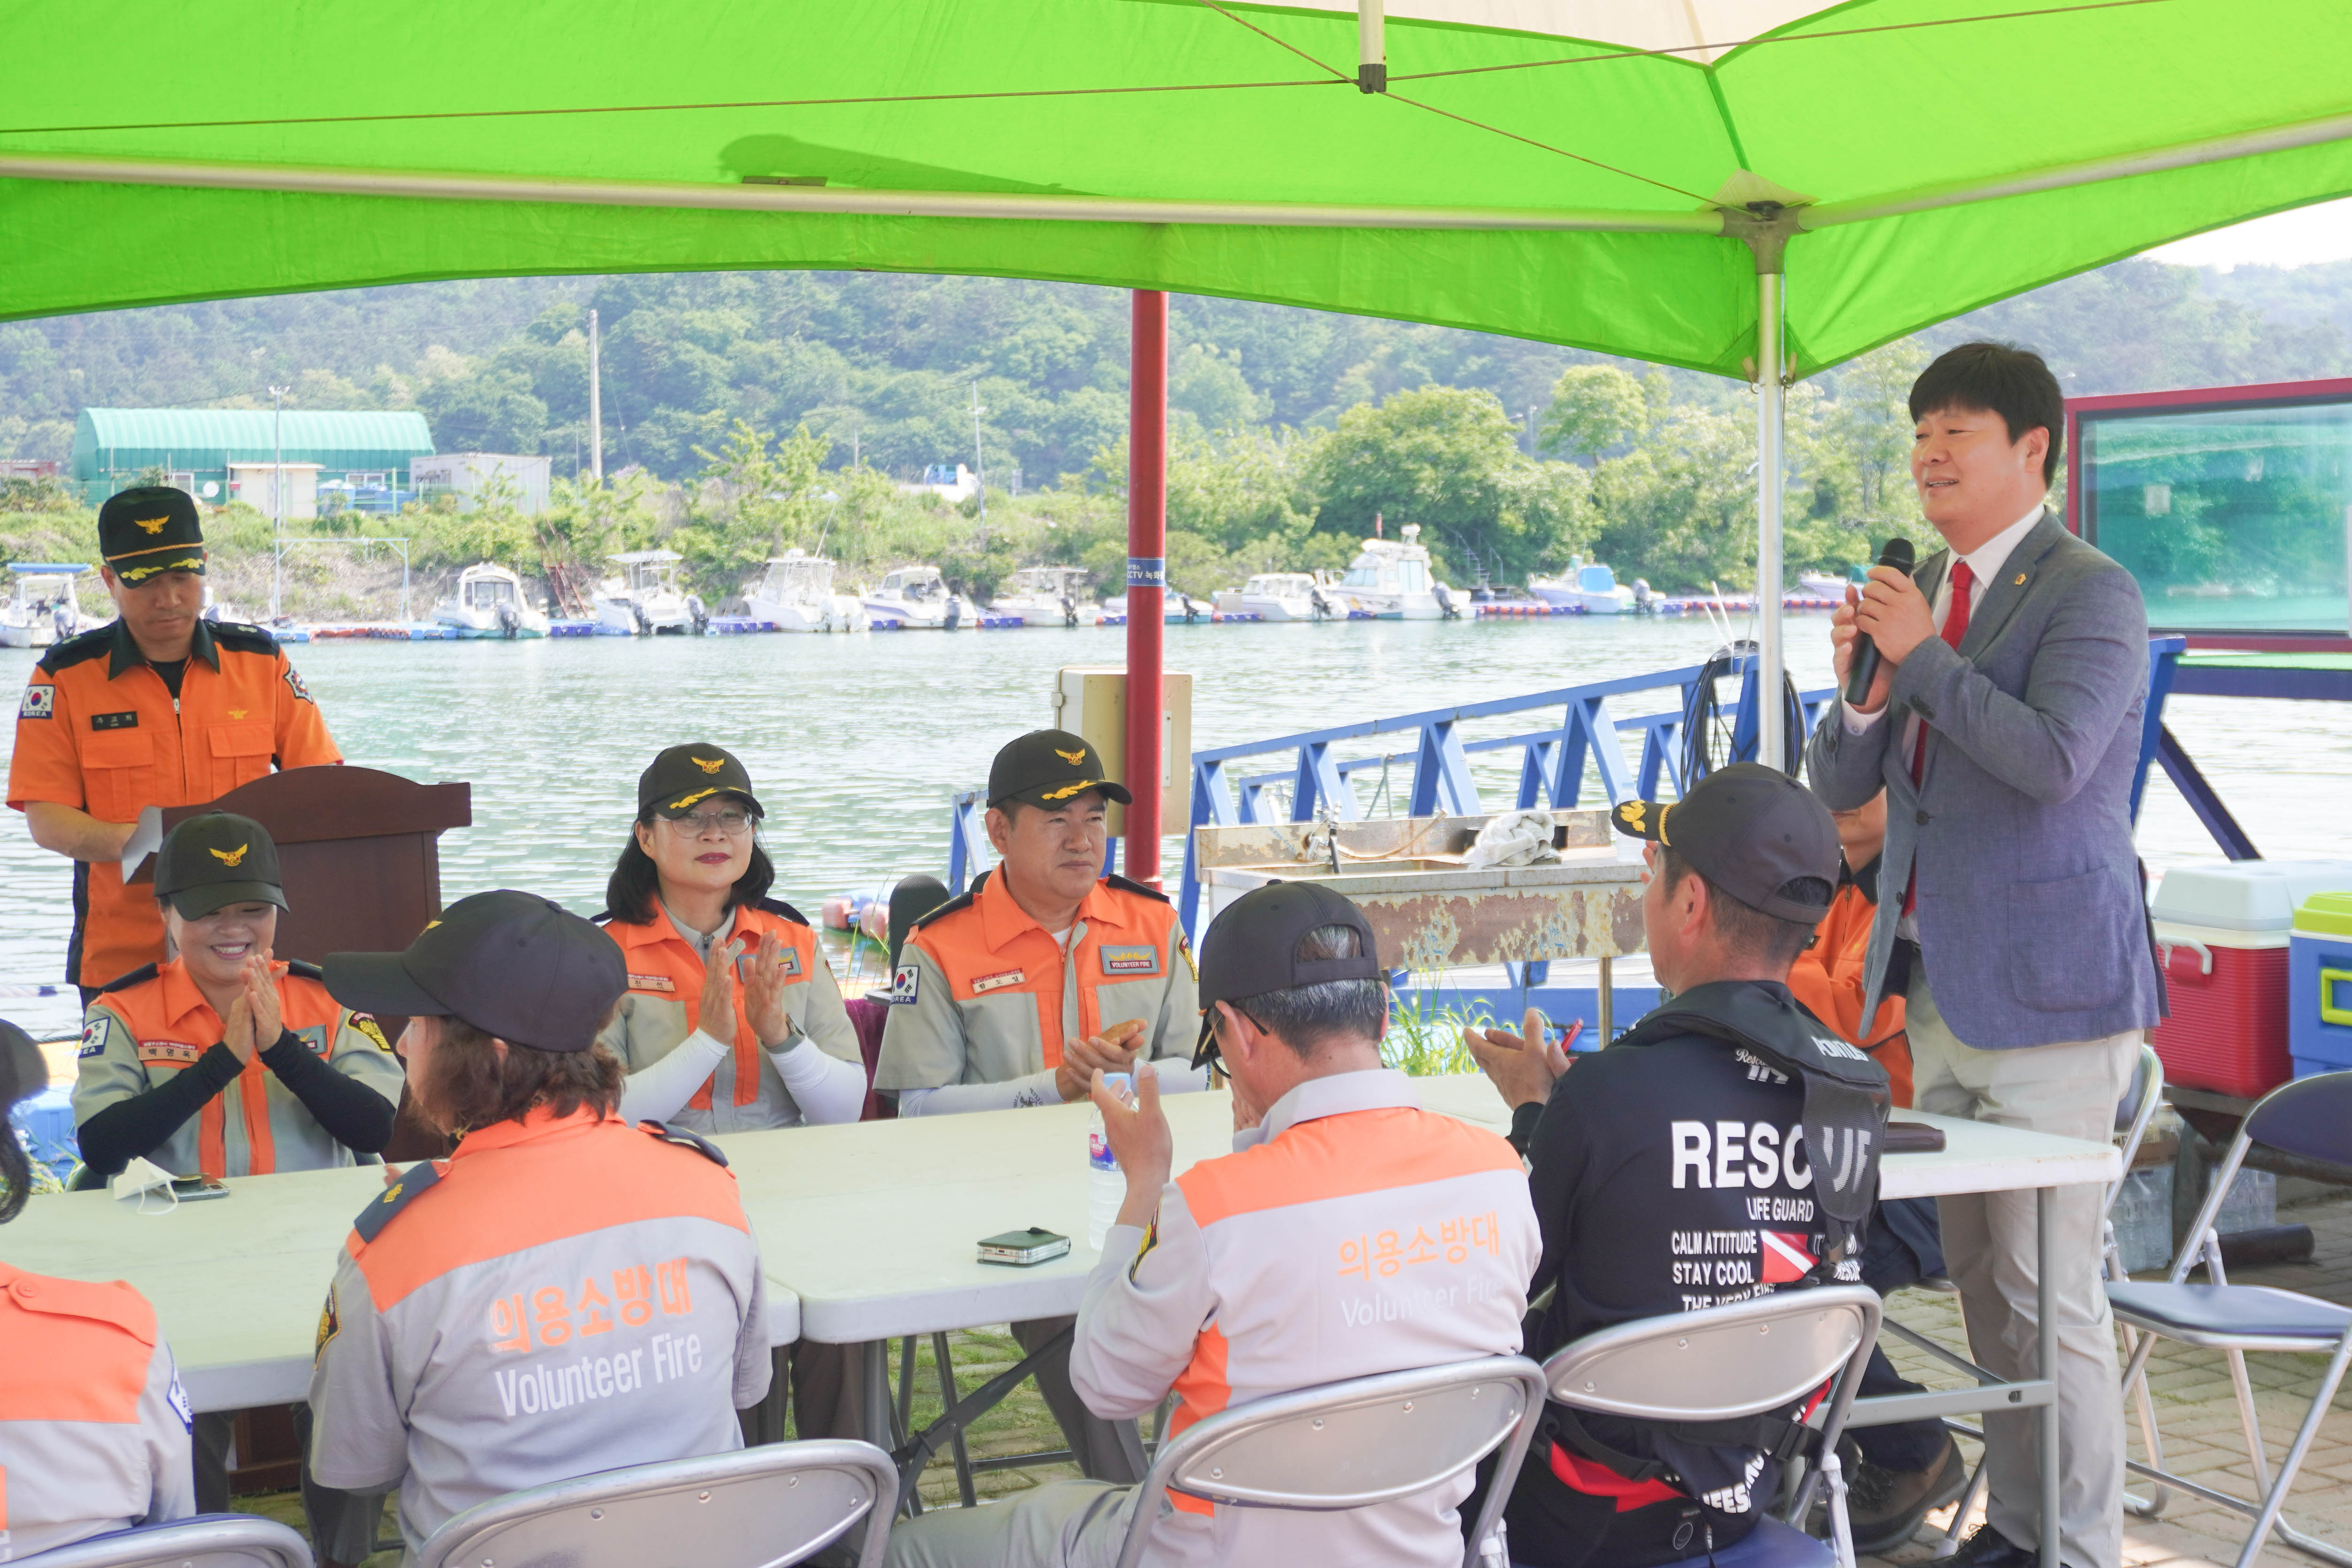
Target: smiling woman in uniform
[[220, 1060], [702, 1050]]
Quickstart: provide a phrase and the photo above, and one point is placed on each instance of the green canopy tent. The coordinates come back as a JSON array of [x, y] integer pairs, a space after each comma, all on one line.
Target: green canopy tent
[[1722, 185]]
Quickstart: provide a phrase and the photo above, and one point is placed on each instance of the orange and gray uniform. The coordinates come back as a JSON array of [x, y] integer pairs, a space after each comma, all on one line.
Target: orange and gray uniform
[[97, 730], [984, 995], [1351, 1233], [150, 1026], [93, 1422], [562, 1295], [818, 1078]]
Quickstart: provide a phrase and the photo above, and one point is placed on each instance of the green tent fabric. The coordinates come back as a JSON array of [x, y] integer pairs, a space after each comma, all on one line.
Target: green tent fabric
[[150, 151]]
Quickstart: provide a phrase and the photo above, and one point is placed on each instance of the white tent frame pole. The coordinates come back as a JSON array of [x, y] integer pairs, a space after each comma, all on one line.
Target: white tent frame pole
[[825, 199], [1771, 718]]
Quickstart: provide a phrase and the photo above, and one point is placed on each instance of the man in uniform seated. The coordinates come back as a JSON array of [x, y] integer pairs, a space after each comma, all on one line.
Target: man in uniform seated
[[1017, 993], [1275, 1268], [1651, 1161]]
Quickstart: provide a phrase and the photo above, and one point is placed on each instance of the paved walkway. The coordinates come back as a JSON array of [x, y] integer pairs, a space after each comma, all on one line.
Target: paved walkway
[[2198, 1418]]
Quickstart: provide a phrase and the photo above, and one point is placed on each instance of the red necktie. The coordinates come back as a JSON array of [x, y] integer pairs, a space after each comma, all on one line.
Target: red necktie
[[1956, 626]]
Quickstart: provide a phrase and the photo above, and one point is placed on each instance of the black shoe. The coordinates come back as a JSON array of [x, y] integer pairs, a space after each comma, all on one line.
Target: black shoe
[[1886, 1507], [1988, 1548]]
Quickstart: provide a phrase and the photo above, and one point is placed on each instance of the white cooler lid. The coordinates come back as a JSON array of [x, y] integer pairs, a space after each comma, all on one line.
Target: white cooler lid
[[2244, 895]]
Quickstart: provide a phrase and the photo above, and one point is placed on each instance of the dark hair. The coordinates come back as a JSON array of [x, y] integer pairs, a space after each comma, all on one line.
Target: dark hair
[[1999, 378], [635, 880], [471, 1085], [15, 1166], [1744, 929], [1304, 1016]]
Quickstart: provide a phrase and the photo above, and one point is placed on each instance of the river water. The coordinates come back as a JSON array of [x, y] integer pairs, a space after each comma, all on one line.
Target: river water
[[857, 742]]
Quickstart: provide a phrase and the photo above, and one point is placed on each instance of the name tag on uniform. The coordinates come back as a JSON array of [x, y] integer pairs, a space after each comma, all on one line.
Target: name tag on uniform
[[315, 1037], [791, 964], [114, 721], [1130, 960], [988, 983], [651, 982], [168, 1053]]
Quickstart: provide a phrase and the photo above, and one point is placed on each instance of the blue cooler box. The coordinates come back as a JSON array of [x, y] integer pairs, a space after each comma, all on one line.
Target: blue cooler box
[[2319, 984]]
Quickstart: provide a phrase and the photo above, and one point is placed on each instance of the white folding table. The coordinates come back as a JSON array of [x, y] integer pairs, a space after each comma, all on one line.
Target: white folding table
[[237, 1283]]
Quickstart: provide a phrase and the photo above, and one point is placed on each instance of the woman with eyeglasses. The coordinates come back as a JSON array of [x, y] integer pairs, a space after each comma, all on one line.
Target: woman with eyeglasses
[[758, 1038]]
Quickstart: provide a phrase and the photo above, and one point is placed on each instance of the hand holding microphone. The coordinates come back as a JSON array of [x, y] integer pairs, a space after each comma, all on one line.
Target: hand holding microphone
[[1863, 666]]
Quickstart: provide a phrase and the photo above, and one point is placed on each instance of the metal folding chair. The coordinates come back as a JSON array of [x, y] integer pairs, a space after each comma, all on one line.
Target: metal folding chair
[[2312, 1118], [1721, 1364], [208, 1541], [1353, 1444], [755, 1508]]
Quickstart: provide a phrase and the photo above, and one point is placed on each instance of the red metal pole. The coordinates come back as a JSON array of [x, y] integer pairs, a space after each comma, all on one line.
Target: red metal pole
[[1147, 578]]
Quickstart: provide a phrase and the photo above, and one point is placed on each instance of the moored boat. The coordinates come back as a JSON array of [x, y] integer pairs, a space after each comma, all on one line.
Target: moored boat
[[1390, 580], [644, 599], [1586, 586], [915, 598], [1280, 596], [795, 595], [1048, 596], [43, 606], [489, 603]]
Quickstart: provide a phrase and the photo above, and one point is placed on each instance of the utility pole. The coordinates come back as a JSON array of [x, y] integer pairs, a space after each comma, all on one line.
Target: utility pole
[[596, 405], [277, 499], [979, 464]]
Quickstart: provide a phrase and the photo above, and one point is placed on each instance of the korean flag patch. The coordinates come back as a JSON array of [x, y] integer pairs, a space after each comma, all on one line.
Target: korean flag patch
[[38, 703], [93, 1039], [178, 1400], [902, 985]]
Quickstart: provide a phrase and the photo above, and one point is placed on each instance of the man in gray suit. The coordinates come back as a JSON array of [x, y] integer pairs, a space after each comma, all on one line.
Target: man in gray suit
[[2004, 726]]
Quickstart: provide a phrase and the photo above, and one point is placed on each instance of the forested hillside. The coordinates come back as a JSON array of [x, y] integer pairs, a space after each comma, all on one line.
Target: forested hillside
[[1294, 428]]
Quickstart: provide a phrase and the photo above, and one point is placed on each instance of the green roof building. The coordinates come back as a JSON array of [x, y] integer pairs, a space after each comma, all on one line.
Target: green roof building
[[201, 448]]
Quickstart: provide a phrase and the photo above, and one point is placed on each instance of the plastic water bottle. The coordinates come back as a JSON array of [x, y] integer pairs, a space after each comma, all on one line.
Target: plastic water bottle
[[1106, 1182]]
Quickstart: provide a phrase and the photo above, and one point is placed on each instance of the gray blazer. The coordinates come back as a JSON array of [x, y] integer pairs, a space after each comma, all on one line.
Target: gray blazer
[[2032, 924]]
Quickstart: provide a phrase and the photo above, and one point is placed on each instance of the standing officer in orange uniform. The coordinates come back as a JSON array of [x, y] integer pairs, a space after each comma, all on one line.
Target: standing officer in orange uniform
[[1017, 993], [93, 1422], [157, 708]]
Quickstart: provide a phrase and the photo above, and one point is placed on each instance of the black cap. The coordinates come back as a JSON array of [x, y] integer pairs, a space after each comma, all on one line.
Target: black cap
[[1750, 830], [212, 861], [1049, 768], [683, 777], [1252, 948], [911, 901], [23, 1071], [149, 530], [512, 964]]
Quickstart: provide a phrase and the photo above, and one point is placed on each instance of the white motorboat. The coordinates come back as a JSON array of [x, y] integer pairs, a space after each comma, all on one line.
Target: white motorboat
[[489, 603], [43, 609], [1048, 596], [1390, 580], [1829, 585], [795, 595], [1586, 586], [1175, 607], [1279, 596], [915, 598], [644, 599]]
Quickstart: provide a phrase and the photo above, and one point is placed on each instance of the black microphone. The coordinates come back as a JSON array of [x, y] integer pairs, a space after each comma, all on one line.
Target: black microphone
[[1864, 667]]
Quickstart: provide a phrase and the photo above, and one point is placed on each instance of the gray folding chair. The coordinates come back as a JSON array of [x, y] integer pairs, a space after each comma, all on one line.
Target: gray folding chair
[[1721, 1364], [1353, 1444], [756, 1507], [2312, 1118], [208, 1541]]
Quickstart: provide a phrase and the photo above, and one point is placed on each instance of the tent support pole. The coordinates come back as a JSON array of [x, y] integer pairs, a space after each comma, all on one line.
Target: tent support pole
[[1771, 718], [1147, 581]]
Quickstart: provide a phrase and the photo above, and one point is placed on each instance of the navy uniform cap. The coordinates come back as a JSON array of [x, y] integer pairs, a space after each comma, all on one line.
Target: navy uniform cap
[[512, 964], [1050, 768], [152, 529], [1749, 830]]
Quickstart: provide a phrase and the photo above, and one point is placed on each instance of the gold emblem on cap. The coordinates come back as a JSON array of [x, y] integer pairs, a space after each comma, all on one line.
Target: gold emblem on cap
[[712, 766], [1072, 758], [1632, 813], [231, 857], [684, 801], [153, 525], [1064, 793]]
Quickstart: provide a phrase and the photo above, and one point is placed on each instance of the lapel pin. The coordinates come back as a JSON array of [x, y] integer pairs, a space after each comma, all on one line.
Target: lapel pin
[[2020, 580]]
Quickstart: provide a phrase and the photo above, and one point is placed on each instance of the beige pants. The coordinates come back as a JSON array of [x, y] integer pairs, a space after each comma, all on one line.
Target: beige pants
[[1990, 1240], [1062, 1524]]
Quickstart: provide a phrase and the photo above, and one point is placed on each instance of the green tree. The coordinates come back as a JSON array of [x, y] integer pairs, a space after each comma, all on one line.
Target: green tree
[[1594, 408], [1449, 459], [758, 497]]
